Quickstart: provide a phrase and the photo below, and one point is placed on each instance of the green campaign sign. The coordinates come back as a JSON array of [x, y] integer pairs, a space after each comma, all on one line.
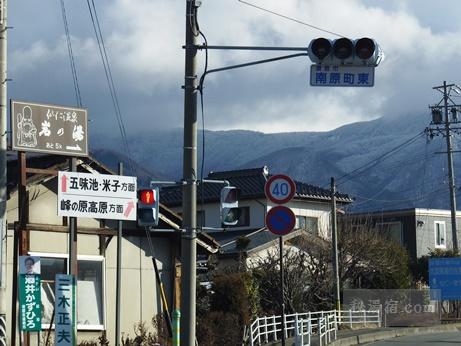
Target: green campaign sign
[[30, 308], [65, 310]]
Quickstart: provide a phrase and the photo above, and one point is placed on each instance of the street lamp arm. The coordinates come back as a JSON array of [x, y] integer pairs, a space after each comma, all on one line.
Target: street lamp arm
[[251, 63], [204, 46]]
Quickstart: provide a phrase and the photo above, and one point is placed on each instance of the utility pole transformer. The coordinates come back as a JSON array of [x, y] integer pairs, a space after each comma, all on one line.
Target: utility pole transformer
[[440, 125], [189, 206]]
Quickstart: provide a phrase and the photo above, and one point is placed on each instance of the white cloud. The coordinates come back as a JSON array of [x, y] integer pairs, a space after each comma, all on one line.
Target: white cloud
[[144, 40]]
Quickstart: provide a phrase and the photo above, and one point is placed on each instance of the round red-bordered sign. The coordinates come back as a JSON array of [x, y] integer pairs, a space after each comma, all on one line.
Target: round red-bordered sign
[[280, 189], [280, 220]]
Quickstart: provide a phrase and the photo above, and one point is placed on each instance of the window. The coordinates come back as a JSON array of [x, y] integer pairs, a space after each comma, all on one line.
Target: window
[[307, 223], [391, 231], [440, 234], [90, 313]]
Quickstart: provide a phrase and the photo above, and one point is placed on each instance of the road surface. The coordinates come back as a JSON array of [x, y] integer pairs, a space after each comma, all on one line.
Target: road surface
[[439, 339]]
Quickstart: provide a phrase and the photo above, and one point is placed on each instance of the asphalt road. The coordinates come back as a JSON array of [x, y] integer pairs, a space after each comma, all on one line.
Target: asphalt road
[[440, 339]]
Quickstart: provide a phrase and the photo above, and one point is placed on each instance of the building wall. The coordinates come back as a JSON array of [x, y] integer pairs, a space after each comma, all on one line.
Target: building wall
[[418, 228], [321, 211], [139, 296], [425, 234], [259, 208], [213, 216]]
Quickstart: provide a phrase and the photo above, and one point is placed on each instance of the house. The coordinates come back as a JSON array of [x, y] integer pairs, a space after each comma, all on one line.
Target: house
[[250, 237], [47, 237], [418, 230]]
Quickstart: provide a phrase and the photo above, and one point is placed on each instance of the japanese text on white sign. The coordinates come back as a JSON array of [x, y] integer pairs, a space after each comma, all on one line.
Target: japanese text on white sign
[[101, 196]]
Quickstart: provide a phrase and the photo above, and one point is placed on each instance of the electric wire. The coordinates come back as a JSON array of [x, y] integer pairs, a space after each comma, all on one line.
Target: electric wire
[[110, 81], [289, 18], [71, 55], [426, 196], [200, 89], [362, 169]]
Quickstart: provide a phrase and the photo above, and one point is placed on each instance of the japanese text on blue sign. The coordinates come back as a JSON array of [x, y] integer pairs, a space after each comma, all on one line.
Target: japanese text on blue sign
[[445, 275], [342, 76]]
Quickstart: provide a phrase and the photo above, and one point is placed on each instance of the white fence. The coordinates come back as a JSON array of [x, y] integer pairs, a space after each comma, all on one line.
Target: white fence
[[302, 326]]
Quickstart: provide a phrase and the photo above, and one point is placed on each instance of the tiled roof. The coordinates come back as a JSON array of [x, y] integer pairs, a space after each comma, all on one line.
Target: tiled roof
[[258, 239], [251, 184]]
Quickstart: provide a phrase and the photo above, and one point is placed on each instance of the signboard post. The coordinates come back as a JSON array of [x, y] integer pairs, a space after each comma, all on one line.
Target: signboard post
[[280, 220], [44, 128], [100, 196]]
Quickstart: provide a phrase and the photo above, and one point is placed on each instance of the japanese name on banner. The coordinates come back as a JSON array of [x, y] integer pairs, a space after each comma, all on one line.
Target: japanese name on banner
[[100, 196], [64, 307], [342, 76], [30, 309]]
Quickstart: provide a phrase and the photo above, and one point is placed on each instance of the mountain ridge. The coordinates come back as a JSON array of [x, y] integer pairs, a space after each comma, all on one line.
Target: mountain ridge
[[399, 167]]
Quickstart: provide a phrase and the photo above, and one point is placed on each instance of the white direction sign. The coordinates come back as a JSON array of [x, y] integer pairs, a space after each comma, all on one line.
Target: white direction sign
[[280, 189], [342, 76], [100, 196]]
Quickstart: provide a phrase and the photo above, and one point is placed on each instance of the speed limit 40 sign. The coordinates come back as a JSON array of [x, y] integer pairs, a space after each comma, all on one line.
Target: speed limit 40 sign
[[280, 189]]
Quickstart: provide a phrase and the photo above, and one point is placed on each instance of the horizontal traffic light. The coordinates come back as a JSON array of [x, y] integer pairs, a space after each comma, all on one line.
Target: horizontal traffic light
[[344, 51]]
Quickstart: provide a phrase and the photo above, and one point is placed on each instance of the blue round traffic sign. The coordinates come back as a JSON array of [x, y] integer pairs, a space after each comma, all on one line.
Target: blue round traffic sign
[[280, 220]]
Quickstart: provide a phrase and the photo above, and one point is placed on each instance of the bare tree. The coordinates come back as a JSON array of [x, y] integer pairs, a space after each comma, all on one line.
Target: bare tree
[[367, 259]]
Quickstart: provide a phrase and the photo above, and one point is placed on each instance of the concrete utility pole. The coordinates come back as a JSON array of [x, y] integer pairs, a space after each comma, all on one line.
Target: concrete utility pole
[[3, 164], [334, 244], [189, 206], [446, 131]]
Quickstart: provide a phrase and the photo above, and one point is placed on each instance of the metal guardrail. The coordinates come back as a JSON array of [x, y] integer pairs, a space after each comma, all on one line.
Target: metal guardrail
[[302, 326]]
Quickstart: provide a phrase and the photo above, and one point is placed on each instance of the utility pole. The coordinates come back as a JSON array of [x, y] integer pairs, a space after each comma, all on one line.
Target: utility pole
[[188, 243], [334, 244], [446, 130], [3, 164]]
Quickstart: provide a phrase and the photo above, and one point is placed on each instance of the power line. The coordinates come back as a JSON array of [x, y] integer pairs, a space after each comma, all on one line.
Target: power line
[[399, 201], [360, 170], [71, 55], [110, 80], [289, 18]]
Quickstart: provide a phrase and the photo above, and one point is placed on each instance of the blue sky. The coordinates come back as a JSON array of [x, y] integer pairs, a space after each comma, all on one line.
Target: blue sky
[[144, 37]]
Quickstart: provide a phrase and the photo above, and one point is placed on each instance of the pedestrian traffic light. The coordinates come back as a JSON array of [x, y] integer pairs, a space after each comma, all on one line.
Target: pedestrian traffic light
[[148, 202], [343, 51], [230, 212]]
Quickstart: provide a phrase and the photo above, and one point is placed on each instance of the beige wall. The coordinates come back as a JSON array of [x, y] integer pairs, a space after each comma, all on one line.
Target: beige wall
[[258, 209], [139, 297]]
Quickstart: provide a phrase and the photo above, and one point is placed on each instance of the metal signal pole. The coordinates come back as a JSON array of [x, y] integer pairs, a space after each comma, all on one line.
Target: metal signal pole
[[3, 164], [446, 131], [334, 243], [188, 243]]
